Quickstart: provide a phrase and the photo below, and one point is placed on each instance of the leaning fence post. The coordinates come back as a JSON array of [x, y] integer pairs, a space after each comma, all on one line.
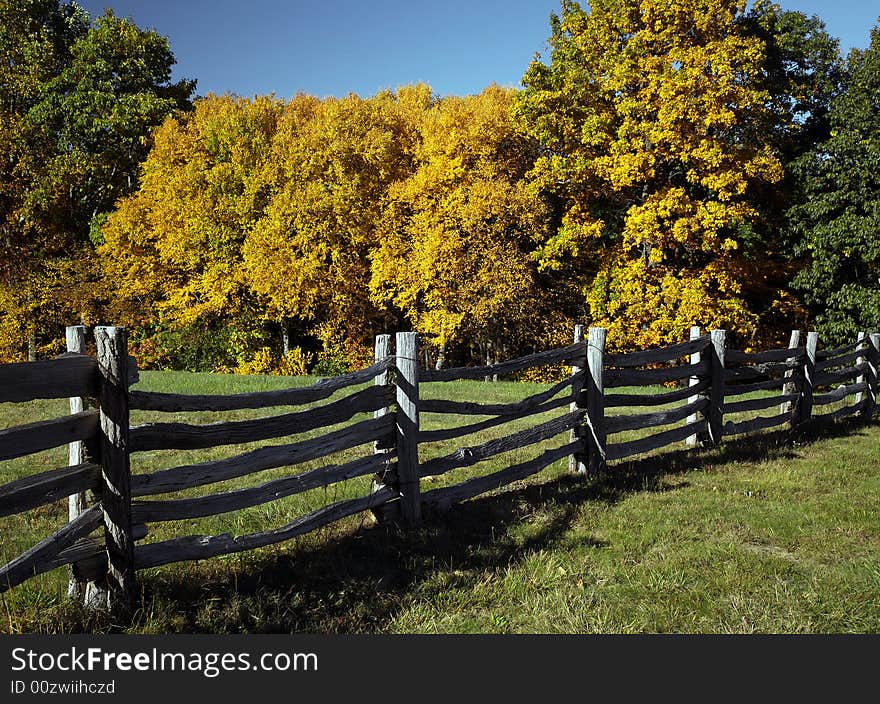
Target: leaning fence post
[[597, 437], [789, 387], [113, 361], [407, 381], [716, 391], [694, 380], [576, 462], [805, 405], [871, 374]]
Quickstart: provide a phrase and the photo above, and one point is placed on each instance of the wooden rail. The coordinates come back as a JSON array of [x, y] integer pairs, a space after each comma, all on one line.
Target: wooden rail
[[68, 375], [200, 547], [29, 439], [647, 377], [44, 488], [480, 485], [637, 421], [657, 399], [462, 430], [185, 436], [661, 354], [540, 359], [44, 555], [190, 476], [213, 504], [499, 409], [324, 388], [617, 451], [467, 456]]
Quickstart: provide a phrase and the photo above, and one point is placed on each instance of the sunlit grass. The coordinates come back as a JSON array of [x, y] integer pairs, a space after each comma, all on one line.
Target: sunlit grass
[[775, 534]]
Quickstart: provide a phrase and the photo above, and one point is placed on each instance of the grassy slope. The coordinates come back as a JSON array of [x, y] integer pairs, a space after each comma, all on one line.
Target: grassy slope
[[754, 536]]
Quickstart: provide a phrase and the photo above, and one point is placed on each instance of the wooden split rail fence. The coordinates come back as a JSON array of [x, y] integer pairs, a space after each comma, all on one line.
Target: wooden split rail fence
[[110, 509]]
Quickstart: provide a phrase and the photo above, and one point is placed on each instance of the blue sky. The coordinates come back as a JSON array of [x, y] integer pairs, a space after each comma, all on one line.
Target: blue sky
[[333, 47]]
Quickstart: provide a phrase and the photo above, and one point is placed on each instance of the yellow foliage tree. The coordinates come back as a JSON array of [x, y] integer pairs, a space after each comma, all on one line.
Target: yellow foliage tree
[[649, 116], [456, 236], [172, 251], [328, 173]]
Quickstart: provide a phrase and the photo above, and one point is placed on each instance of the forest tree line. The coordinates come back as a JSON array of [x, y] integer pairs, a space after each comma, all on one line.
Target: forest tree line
[[670, 163]]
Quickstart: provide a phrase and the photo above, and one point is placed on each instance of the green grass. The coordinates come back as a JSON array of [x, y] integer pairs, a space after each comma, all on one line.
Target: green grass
[[766, 534]]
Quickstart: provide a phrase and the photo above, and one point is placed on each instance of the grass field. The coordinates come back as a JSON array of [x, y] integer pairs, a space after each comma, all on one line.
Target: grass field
[[766, 534]]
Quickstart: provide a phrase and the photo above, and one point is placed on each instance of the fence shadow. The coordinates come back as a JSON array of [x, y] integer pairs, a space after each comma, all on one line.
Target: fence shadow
[[359, 580]]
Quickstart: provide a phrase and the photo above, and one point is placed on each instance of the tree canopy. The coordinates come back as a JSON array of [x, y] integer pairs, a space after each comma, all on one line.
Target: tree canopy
[[838, 224], [78, 102], [669, 163], [648, 111]]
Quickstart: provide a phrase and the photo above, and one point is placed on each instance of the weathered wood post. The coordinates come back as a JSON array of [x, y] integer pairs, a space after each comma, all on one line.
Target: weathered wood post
[[789, 387], [596, 436], [577, 461], [871, 374], [93, 594], [380, 352], [113, 362], [808, 375], [407, 381], [695, 358], [76, 454], [861, 346], [718, 350]]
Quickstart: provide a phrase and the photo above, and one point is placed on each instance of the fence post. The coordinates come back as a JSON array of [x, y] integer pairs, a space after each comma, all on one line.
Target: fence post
[[76, 454], [871, 374], [862, 346], [805, 405], [597, 436], [91, 593], [787, 388], [718, 351], [113, 361], [694, 380], [380, 352], [407, 381], [576, 462]]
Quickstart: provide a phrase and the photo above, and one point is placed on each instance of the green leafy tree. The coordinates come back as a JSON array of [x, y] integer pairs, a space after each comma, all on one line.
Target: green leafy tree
[[802, 73], [838, 224], [78, 103]]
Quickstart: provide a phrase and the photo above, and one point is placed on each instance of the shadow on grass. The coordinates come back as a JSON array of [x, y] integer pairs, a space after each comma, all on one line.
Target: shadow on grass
[[356, 579], [645, 473]]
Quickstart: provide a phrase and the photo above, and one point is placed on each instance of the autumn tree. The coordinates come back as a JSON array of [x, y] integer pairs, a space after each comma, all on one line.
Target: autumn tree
[[838, 224], [328, 171], [78, 101], [650, 114], [173, 250], [453, 255]]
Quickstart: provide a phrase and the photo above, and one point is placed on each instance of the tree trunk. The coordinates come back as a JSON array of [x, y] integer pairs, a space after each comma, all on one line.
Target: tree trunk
[[285, 338], [441, 357], [32, 346]]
